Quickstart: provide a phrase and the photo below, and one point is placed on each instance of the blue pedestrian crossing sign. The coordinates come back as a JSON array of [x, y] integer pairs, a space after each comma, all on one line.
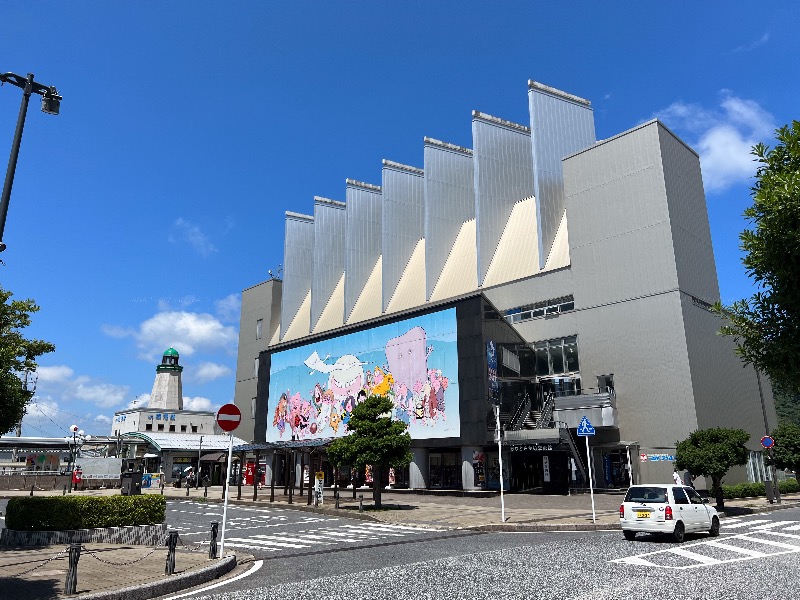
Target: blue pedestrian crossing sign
[[585, 428]]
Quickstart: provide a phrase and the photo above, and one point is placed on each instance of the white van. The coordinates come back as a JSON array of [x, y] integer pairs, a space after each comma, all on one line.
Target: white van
[[666, 508]]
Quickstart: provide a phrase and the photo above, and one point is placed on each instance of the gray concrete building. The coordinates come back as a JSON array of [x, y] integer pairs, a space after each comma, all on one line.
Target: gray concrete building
[[580, 272]]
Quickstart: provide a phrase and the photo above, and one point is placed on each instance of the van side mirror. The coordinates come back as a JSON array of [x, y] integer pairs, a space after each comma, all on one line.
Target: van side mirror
[[705, 500]]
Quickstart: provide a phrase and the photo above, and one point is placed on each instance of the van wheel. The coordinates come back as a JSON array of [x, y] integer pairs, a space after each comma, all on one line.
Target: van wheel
[[714, 531], [679, 533], [629, 535]]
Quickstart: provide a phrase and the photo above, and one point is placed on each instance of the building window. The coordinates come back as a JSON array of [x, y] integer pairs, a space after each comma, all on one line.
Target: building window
[[172, 428], [252, 408], [183, 428], [194, 428], [540, 309], [161, 427], [259, 325], [556, 357], [255, 368], [148, 427]]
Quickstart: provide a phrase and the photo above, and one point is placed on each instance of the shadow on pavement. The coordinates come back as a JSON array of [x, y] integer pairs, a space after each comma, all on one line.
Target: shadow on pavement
[[43, 589]]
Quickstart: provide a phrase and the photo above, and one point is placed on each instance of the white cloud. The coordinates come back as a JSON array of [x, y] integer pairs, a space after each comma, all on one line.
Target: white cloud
[[54, 374], [189, 233], [723, 136], [187, 332], [103, 420], [752, 45], [141, 401], [60, 381], [101, 394], [198, 403], [44, 416], [229, 307], [209, 371]]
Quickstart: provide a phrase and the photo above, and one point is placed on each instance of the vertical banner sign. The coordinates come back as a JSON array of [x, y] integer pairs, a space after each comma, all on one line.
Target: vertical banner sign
[[546, 468], [491, 362]]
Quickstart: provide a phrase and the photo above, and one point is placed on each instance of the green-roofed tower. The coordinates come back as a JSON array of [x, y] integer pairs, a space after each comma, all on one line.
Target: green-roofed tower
[[167, 388]]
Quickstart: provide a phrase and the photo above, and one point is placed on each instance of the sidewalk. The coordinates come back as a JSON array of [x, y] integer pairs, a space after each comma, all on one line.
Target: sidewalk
[[100, 572]]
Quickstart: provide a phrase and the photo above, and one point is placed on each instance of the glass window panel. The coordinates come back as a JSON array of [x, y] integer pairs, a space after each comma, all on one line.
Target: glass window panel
[[542, 363], [517, 318], [557, 358], [527, 315], [259, 324], [567, 306], [571, 357], [537, 312], [551, 310]]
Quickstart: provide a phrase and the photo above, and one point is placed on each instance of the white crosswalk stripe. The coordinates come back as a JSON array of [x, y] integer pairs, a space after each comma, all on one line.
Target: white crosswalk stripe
[[727, 525], [326, 536], [773, 524], [736, 549], [706, 560], [793, 528]]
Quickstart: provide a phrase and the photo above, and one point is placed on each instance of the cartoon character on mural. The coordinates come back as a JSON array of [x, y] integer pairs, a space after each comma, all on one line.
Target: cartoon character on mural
[[281, 414], [416, 391]]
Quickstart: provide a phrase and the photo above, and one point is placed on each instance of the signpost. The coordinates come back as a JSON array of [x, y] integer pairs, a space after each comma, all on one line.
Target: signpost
[[228, 418], [585, 430]]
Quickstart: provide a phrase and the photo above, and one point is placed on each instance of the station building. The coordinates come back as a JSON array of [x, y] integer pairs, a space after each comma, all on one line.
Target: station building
[[578, 272]]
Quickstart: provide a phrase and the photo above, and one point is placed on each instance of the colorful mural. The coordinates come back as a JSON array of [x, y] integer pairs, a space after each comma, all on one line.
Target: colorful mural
[[314, 388]]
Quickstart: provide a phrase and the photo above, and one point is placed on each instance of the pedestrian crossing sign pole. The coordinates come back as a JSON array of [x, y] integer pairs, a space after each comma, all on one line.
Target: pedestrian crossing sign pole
[[228, 418], [586, 430]]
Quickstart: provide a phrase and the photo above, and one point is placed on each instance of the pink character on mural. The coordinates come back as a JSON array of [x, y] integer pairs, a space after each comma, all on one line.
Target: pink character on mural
[[281, 415]]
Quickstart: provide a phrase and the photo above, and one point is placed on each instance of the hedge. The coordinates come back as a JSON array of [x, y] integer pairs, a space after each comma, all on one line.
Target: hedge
[[60, 513], [752, 490]]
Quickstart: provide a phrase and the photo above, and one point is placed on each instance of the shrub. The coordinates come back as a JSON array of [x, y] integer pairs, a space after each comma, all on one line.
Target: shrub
[[59, 513], [753, 490]]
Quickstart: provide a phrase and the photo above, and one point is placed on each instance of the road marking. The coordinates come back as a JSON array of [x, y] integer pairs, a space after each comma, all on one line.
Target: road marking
[[706, 560], [258, 541], [773, 524], [793, 547], [283, 538], [635, 560], [746, 523], [793, 528], [731, 548], [256, 566], [786, 535]]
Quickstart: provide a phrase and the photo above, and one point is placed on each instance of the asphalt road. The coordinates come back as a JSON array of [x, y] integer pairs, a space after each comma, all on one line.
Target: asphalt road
[[755, 557]]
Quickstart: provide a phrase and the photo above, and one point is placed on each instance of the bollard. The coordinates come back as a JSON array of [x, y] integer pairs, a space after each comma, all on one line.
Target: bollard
[[337, 499], [162, 488], [187, 489], [64, 493], [361, 503], [31, 490], [71, 584], [212, 546], [172, 543], [205, 492]]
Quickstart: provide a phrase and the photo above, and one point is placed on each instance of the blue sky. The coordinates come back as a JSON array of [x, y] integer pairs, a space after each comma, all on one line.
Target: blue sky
[[187, 129]]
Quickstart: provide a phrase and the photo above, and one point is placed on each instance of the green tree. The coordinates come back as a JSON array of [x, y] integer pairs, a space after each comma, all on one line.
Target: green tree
[[787, 405], [374, 439], [766, 327], [711, 453], [17, 358], [786, 452]]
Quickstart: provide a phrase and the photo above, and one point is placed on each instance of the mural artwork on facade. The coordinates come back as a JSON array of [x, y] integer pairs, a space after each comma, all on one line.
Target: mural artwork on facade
[[314, 388]]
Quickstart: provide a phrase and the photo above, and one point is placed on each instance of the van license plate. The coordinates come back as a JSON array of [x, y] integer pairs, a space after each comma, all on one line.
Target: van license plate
[[642, 514]]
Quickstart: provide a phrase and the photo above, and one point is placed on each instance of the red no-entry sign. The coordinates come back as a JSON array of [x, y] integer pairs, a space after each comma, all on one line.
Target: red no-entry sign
[[229, 417]]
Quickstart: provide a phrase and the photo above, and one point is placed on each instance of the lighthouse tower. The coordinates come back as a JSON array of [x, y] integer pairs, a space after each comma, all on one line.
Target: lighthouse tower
[[167, 391]]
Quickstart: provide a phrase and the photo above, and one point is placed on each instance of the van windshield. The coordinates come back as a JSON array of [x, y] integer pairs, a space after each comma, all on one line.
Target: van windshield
[[651, 494]]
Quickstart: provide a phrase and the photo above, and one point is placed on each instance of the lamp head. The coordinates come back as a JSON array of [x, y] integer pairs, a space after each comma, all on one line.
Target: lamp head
[[51, 102], [74, 428]]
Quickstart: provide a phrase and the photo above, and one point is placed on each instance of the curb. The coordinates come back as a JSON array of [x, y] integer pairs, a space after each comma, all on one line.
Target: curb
[[162, 587]]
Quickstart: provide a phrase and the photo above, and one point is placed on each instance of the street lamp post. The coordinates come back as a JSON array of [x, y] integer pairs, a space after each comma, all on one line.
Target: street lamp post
[[78, 439], [51, 103]]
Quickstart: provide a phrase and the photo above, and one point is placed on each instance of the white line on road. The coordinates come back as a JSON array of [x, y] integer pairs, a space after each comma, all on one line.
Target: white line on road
[[731, 548], [253, 540], [706, 560], [256, 566], [792, 547], [773, 524], [282, 538], [745, 523]]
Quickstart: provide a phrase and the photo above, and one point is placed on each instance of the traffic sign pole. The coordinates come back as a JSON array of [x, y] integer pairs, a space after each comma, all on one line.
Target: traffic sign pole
[[225, 503], [228, 418], [591, 476]]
